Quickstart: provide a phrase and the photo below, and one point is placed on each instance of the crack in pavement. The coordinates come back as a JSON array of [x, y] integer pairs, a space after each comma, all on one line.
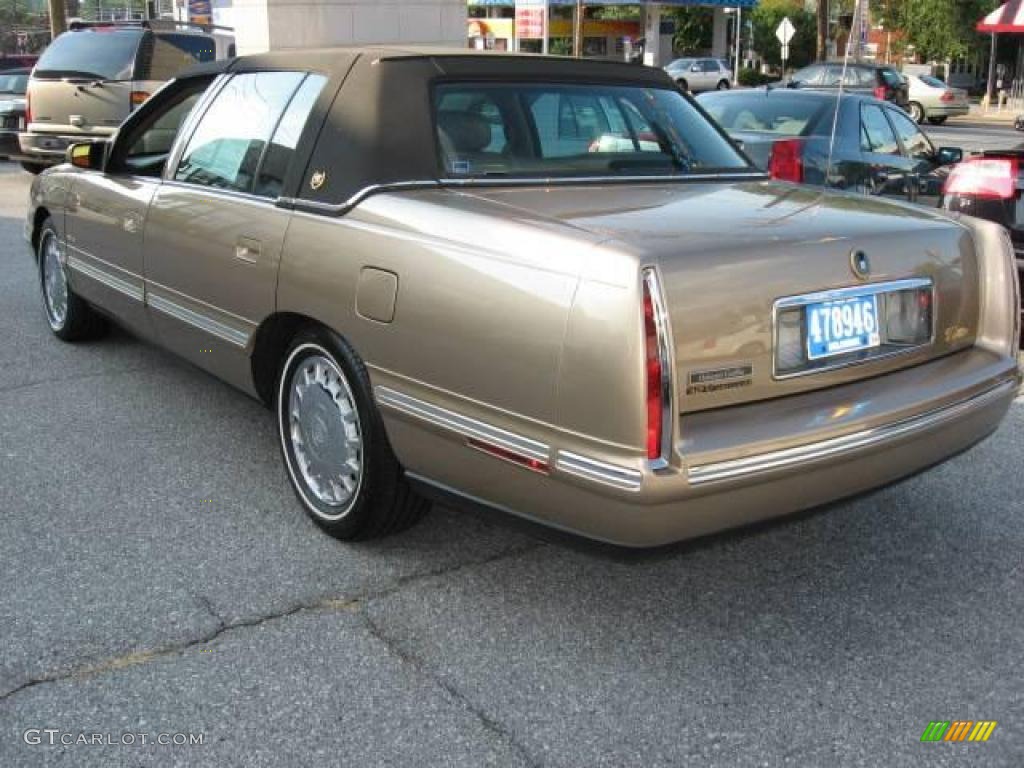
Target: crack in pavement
[[489, 723], [353, 604]]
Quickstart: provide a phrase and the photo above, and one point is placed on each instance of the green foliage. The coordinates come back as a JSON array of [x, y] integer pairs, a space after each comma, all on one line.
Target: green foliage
[[938, 29], [753, 78], [765, 20], [693, 29]]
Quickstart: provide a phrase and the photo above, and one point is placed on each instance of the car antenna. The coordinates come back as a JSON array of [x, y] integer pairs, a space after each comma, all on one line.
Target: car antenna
[[856, 29]]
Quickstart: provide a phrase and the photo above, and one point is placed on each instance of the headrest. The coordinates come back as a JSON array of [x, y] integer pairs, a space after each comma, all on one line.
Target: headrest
[[467, 131]]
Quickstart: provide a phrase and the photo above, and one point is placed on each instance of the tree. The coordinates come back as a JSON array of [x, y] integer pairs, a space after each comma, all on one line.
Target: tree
[[693, 29], [765, 19], [938, 29]]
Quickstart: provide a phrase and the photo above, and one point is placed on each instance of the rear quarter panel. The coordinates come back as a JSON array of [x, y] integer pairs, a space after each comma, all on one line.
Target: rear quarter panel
[[515, 323]]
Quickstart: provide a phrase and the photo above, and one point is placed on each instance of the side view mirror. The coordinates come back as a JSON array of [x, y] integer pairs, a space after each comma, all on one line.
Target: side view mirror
[[949, 155], [89, 155]]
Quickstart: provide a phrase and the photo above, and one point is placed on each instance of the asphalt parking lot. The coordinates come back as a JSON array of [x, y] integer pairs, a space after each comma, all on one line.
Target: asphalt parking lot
[[158, 577]]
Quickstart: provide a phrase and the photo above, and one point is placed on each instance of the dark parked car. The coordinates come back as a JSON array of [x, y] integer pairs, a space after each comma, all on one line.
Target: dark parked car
[[879, 80], [10, 61], [878, 149], [989, 186], [12, 111]]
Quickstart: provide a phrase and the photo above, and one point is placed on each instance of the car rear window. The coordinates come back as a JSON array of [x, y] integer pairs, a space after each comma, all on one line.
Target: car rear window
[[934, 82], [891, 77], [775, 112], [13, 83], [562, 130], [101, 54]]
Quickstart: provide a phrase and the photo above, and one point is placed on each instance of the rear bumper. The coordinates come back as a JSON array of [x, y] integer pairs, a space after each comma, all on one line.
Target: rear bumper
[[953, 110], [741, 464], [51, 148]]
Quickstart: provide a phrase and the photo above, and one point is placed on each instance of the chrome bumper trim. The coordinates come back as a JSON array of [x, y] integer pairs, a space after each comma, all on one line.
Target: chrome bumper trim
[[461, 425], [598, 471], [703, 474]]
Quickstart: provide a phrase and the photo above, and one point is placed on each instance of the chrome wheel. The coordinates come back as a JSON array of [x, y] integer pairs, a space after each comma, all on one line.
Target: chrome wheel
[[324, 433], [55, 282]]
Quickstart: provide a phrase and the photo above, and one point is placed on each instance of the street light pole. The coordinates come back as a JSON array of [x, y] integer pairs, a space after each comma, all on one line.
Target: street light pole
[[739, 35]]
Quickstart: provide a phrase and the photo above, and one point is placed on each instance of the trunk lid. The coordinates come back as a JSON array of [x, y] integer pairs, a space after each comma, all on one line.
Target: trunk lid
[[727, 252]]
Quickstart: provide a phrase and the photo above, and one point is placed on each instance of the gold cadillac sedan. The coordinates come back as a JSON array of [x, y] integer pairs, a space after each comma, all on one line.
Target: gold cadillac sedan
[[546, 286]]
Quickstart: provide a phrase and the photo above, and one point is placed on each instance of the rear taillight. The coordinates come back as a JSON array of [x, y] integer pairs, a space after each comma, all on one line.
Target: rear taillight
[[656, 371], [787, 162], [881, 92], [988, 177], [947, 96], [28, 105], [138, 98]]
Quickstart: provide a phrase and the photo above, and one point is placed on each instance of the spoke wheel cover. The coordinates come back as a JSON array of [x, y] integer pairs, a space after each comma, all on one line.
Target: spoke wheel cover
[[54, 282], [322, 433]]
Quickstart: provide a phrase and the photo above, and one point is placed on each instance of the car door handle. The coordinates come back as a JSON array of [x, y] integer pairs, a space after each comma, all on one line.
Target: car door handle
[[247, 249]]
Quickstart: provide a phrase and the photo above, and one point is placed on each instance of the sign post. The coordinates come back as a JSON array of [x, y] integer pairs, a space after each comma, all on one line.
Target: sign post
[[532, 22], [785, 32]]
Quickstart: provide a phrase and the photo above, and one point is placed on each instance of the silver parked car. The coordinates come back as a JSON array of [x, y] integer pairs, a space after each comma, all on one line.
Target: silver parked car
[[696, 75], [934, 101]]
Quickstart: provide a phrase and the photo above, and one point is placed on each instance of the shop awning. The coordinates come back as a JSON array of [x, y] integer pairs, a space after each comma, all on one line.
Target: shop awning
[[676, 3], [1009, 17]]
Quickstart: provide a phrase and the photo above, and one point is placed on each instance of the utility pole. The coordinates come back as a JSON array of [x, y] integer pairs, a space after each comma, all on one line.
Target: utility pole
[[822, 47], [577, 31], [58, 18]]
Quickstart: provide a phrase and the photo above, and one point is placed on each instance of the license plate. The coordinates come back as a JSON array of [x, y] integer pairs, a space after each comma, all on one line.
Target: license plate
[[842, 326]]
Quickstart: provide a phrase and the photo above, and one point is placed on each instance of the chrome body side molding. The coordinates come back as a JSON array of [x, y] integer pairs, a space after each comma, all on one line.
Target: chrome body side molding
[[102, 275], [195, 319]]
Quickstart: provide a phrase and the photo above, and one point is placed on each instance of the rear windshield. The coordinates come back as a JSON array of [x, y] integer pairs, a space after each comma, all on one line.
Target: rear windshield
[[772, 112], [555, 130], [13, 83], [934, 82], [892, 77], [101, 54]]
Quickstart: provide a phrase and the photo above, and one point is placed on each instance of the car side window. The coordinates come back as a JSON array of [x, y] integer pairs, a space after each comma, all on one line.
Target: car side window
[[165, 54], [286, 137], [808, 75], [878, 134], [830, 77], [228, 143], [915, 143], [709, 65], [866, 78]]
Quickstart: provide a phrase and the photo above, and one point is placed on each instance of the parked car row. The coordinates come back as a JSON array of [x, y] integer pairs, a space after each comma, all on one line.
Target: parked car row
[[13, 84], [548, 286]]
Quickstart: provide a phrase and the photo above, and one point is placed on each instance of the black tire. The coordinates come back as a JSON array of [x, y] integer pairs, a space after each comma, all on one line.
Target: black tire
[[68, 315], [916, 112], [34, 168], [723, 85], [382, 501], [683, 86], [937, 120]]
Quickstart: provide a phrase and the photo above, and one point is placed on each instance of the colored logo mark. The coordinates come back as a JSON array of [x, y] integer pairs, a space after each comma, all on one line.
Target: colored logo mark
[[959, 730]]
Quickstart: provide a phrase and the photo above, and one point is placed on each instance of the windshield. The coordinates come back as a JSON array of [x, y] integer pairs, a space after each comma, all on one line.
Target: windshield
[[100, 54], [681, 64], [554, 130], [13, 83], [934, 82], [775, 112]]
